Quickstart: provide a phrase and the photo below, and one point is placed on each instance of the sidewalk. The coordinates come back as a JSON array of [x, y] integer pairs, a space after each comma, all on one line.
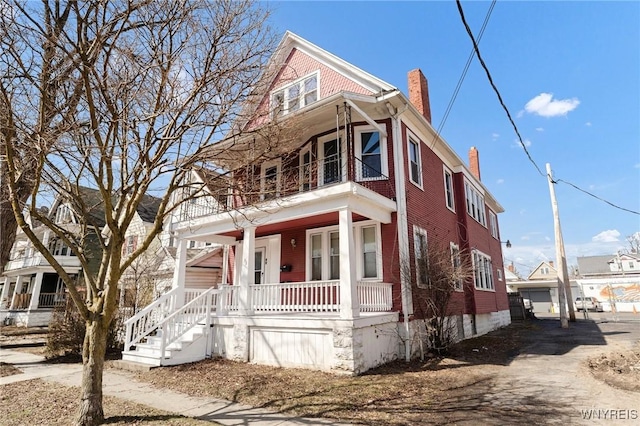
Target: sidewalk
[[122, 385]]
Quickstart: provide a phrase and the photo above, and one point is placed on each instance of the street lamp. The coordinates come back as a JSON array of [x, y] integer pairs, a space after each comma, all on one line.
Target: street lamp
[[508, 243]]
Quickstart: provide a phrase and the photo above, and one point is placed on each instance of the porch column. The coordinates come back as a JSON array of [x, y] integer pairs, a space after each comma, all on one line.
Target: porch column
[[349, 307], [4, 298], [35, 293], [16, 290], [179, 273], [247, 269], [225, 265]]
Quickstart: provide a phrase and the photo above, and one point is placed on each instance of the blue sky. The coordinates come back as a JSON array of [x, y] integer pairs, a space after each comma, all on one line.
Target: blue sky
[[569, 72]]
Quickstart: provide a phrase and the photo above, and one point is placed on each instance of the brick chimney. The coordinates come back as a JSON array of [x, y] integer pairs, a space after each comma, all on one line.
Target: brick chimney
[[474, 162], [419, 93], [551, 263], [511, 268]]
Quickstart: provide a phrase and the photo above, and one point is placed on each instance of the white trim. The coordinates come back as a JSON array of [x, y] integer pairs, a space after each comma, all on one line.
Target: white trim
[[417, 253], [343, 163], [485, 281], [447, 171], [301, 177], [384, 164], [474, 203], [325, 233], [459, 285], [412, 139], [284, 90], [277, 163], [493, 224]]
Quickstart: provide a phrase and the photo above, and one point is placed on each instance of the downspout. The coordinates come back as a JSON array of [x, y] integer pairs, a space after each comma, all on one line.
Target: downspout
[[403, 225]]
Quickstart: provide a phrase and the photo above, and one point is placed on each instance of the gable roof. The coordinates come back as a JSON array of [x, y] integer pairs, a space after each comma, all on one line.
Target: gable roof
[[148, 208], [542, 264], [594, 265], [292, 41]]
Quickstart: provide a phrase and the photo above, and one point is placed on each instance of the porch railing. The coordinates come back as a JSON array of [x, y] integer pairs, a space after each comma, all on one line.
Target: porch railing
[[318, 296], [375, 297], [51, 300], [21, 301]]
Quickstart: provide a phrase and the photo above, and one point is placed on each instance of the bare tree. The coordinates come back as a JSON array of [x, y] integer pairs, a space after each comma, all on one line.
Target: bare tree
[[438, 273], [123, 97], [634, 242]]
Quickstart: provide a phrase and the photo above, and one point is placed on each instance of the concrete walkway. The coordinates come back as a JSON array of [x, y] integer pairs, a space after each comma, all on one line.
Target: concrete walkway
[[122, 385]]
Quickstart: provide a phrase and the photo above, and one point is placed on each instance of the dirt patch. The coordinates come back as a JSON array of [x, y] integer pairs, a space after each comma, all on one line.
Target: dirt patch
[[36, 402], [618, 369], [8, 370]]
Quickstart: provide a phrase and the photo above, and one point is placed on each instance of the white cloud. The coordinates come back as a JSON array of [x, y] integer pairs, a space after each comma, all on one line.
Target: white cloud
[[588, 124], [608, 236], [637, 165], [539, 129], [495, 136], [520, 113], [525, 142], [500, 181], [545, 106]]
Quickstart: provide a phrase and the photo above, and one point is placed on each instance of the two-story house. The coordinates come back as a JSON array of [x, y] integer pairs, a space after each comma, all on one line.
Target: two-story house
[[318, 236], [32, 288]]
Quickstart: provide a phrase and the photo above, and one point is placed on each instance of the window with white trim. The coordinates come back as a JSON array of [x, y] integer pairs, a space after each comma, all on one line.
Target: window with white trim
[[499, 271], [475, 203], [421, 257], [270, 179], [323, 252], [332, 167], [456, 261], [415, 166], [448, 189], [63, 214], [371, 152], [296, 95], [482, 271], [130, 245], [305, 169], [493, 224]]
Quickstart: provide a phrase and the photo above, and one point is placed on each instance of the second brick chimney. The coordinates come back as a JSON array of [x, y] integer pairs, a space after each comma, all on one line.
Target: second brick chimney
[[419, 93], [474, 162]]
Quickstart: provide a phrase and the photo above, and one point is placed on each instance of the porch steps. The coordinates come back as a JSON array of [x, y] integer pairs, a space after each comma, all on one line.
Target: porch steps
[[190, 348]]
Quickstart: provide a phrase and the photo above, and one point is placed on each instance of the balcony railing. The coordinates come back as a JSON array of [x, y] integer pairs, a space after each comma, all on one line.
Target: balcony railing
[[39, 260], [51, 300], [253, 186]]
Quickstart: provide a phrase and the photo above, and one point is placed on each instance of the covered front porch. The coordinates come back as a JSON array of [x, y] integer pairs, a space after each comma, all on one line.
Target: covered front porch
[[307, 286]]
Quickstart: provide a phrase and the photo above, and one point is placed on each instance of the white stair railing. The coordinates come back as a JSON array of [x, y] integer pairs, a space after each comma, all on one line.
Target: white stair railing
[[147, 320], [180, 322]]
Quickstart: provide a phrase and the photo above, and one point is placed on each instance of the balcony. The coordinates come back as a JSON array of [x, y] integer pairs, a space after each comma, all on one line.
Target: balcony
[[39, 260], [276, 181]]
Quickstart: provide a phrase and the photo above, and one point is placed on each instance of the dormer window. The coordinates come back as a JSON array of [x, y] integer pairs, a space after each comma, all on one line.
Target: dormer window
[[63, 214], [296, 95]]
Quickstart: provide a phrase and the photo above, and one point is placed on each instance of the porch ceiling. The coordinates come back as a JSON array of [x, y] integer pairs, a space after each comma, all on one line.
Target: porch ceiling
[[348, 195]]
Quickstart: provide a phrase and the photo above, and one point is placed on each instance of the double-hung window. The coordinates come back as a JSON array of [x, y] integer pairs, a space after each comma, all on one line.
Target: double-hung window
[[415, 164], [456, 262], [482, 271], [371, 154], [296, 95], [493, 224], [448, 189], [475, 203], [421, 256], [323, 252]]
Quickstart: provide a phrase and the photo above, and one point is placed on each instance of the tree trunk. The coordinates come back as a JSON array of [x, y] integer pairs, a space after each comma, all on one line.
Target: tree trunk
[[93, 353]]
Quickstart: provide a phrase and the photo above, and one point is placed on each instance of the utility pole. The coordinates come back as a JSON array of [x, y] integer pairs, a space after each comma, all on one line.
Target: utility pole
[[564, 285]]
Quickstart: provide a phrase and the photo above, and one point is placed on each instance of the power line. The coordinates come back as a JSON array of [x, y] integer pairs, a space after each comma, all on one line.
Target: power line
[[462, 76], [476, 49], [495, 89], [596, 197]]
